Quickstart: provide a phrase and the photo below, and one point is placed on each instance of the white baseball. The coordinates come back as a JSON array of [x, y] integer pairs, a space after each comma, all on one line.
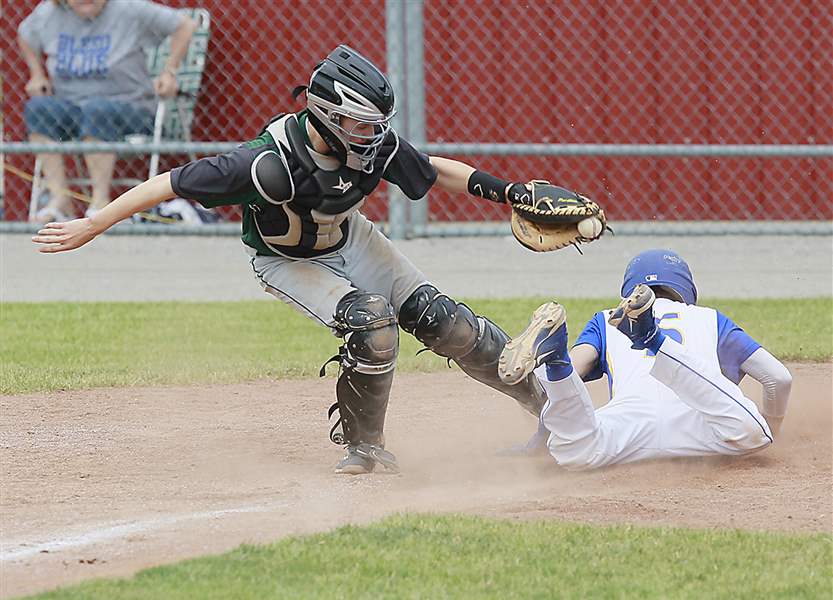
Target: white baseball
[[590, 228]]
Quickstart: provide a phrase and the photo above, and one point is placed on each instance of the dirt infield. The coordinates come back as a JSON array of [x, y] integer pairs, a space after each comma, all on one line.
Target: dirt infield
[[108, 481]]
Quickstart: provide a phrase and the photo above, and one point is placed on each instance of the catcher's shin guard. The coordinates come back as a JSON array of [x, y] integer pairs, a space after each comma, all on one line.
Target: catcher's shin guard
[[452, 330], [368, 358], [362, 404]]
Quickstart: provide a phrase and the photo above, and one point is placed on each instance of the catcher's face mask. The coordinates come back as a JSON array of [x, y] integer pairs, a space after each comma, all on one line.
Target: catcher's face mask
[[351, 103]]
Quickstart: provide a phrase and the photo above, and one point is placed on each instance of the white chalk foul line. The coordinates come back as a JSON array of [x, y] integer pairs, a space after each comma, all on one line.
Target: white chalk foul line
[[25, 549]]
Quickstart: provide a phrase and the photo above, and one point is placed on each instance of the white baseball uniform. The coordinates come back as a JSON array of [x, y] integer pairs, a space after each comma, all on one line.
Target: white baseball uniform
[[682, 402]]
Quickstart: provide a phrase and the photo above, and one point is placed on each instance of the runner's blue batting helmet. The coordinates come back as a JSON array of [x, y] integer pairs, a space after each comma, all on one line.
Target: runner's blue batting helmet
[[663, 269]]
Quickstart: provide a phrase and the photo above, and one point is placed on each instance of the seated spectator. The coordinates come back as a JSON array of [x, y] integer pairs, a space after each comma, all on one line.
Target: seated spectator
[[96, 86]]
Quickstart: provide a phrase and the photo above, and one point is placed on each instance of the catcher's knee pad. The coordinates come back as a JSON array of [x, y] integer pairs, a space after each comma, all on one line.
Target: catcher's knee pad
[[371, 339], [452, 330], [447, 327]]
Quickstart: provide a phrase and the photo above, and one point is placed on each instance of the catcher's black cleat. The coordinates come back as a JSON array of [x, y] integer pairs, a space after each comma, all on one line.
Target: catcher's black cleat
[[362, 459]]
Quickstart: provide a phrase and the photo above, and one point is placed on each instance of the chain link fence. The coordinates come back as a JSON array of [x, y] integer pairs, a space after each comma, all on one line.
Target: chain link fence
[[563, 91]]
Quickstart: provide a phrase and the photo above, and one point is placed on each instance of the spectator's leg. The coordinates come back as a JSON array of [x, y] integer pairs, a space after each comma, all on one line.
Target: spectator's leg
[[100, 167], [109, 121], [55, 176], [51, 119]]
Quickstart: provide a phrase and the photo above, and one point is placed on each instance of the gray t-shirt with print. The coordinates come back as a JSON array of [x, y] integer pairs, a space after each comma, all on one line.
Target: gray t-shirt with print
[[103, 57]]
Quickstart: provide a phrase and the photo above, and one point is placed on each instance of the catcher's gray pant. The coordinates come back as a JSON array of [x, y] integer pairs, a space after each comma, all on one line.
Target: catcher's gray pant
[[368, 262]]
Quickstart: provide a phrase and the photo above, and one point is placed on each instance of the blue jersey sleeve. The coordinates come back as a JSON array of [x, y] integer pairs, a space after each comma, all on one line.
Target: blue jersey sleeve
[[594, 334], [734, 346]]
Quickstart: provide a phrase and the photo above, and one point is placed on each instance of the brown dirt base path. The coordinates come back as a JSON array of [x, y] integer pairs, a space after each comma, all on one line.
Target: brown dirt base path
[[105, 482]]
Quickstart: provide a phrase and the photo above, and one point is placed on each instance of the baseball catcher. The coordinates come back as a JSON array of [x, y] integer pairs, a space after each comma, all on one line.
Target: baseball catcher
[[300, 185]]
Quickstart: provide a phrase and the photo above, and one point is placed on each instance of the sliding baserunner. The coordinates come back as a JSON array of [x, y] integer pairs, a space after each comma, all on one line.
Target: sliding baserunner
[[673, 370]]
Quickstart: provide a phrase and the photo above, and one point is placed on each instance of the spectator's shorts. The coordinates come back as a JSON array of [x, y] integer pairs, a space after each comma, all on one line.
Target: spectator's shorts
[[107, 120]]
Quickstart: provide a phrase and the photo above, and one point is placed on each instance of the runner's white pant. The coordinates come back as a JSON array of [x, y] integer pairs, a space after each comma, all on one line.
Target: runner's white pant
[[696, 413]]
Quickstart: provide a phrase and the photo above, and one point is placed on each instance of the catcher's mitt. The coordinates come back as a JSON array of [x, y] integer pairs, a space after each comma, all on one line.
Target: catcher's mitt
[[550, 218]]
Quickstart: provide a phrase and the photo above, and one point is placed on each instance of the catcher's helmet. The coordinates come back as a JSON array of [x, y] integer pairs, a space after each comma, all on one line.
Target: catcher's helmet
[[346, 84], [664, 269]]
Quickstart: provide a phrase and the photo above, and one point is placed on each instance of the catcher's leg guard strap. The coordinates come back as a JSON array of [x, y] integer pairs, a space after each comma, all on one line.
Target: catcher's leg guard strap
[[451, 329], [371, 339]]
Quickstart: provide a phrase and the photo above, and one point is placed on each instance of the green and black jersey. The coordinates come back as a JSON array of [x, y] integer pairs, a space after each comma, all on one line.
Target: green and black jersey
[[281, 215]]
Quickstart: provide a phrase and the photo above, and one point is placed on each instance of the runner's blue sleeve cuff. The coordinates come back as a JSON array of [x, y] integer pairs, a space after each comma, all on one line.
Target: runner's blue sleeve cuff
[[594, 334], [734, 346]]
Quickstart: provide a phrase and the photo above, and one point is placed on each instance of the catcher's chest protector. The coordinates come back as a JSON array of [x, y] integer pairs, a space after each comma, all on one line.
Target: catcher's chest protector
[[315, 220]]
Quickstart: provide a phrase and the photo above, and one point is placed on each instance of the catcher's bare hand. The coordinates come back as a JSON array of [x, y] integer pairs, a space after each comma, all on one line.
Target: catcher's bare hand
[[60, 237]]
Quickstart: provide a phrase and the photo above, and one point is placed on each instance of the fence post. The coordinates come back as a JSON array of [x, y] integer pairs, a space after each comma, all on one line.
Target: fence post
[[395, 52], [415, 100]]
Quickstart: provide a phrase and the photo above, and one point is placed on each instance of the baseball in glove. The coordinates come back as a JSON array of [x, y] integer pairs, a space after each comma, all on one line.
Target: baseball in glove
[[549, 217]]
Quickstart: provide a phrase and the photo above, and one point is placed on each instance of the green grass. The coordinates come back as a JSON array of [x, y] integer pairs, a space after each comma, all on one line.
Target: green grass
[[48, 346], [471, 557]]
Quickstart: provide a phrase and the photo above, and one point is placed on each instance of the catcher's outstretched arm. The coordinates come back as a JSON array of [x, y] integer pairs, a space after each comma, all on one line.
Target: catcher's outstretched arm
[[60, 237], [458, 177], [544, 217], [452, 175]]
